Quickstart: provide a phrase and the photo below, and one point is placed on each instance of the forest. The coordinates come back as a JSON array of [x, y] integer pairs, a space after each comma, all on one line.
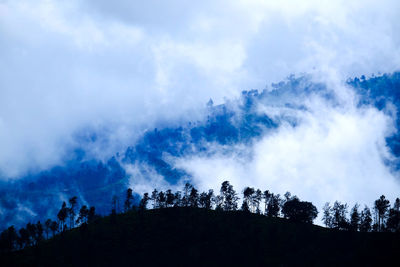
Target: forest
[[283, 211]]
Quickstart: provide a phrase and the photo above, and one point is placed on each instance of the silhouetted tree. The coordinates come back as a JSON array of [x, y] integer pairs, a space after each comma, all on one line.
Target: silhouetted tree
[[194, 198], [154, 198], [31, 228], [299, 211], [365, 220], [23, 238], [327, 215], [161, 200], [393, 221], [266, 196], [274, 205], [288, 196], [339, 212], [219, 201], [83, 215], [355, 218], [128, 199], [8, 239], [229, 197], [62, 215], [39, 232], [54, 227], [247, 204], [47, 224], [381, 209], [73, 202], [186, 194], [206, 199], [170, 198], [257, 197], [178, 199], [144, 201]]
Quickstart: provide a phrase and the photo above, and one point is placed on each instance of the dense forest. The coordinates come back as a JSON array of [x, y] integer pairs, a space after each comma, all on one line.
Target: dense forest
[[265, 208]]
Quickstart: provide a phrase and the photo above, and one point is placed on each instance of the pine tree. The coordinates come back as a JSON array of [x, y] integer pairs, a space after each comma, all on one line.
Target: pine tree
[[365, 220], [229, 197], [194, 198], [144, 201], [355, 218], [128, 200], [327, 215], [62, 215], [381, 209]]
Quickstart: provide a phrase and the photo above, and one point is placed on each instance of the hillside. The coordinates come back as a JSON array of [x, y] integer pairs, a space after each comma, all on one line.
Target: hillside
[[199, 237], [223, 129]]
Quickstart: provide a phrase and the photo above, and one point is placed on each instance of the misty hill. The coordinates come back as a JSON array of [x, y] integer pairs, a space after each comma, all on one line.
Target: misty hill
[[200, 237], [238, 121]]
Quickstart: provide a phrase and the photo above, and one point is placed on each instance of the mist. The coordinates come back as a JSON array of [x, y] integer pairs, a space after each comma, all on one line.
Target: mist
[[71, 69]]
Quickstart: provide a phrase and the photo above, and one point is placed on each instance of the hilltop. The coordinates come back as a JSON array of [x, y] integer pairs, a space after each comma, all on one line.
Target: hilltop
[[200, 237]]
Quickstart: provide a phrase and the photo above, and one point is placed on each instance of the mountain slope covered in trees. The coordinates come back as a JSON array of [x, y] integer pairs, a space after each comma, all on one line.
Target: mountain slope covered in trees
[[234, 122]]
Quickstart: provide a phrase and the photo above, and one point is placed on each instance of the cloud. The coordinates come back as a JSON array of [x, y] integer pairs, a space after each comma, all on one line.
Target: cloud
[[81, 66], [336, 152]]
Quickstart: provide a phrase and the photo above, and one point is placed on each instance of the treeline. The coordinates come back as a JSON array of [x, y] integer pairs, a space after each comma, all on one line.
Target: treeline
[[383, 217], [67, 218]]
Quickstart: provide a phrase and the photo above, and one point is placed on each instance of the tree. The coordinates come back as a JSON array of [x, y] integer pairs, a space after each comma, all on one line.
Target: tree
[[273, 206], [62, 215], [299, 211], [327, 217], [247, 204], [31, 228], [339, 212], [355, 218], [128, 200], [393, 221], [381, 209], [83, 215], [39, 232], [186, 194], [47, 225], [8, 239], [219, 201], [54, 227], [205, 200], [143, 202], [23, 239], [154, 198], [229, 197], [266, 196], [194, 198], [170, 198], [161, 199], [257, 197], [178, 199], [73, 201], [365, 220]]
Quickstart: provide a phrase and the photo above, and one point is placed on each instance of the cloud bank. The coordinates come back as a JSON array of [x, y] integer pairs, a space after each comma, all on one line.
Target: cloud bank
[[334, 152], [72, 68]]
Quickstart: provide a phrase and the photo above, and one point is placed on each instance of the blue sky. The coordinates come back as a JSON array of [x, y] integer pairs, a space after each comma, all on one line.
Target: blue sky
[[71, 65]]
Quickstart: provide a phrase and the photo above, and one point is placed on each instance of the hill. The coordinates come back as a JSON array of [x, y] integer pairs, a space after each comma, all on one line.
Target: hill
[[200, 237]]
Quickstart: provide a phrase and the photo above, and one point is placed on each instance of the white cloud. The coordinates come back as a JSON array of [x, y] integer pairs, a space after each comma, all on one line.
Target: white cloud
[[73, 65], [335, 153]]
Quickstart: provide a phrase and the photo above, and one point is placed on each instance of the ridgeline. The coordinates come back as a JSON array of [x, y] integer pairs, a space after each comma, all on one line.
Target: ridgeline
[[185, 236]]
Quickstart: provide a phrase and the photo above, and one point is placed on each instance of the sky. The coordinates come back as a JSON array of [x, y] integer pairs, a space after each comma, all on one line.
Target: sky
[[119, 67]]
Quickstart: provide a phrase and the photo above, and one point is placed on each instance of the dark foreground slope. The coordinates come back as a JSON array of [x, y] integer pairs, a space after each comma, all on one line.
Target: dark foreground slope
[[196, 237]]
